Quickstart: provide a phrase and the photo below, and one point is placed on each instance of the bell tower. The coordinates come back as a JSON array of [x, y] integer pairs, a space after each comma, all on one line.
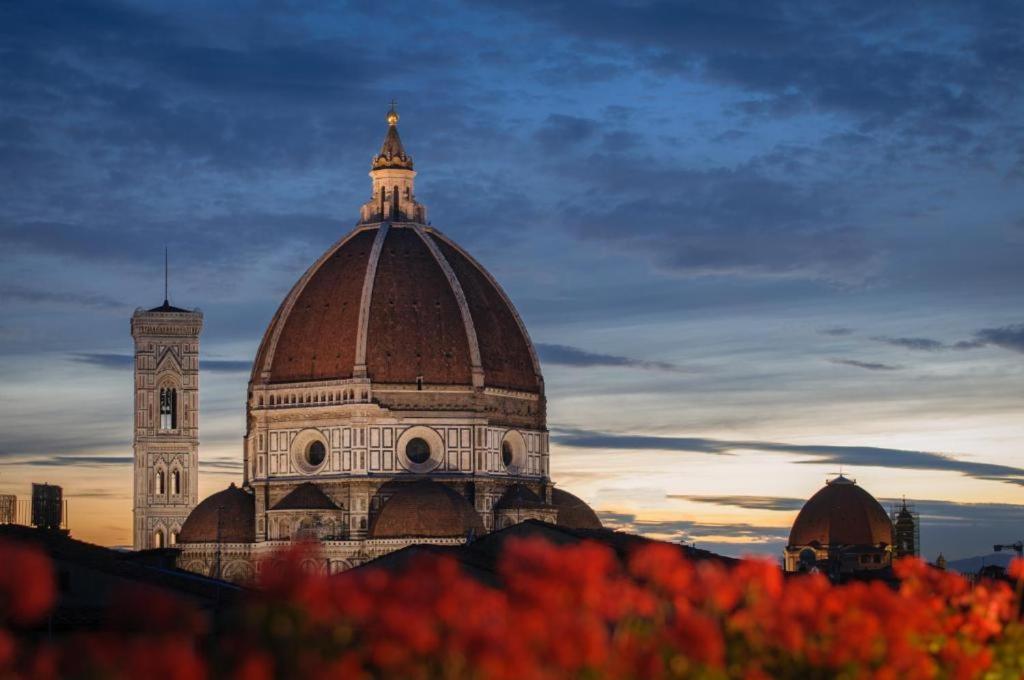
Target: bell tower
[[166, 441]]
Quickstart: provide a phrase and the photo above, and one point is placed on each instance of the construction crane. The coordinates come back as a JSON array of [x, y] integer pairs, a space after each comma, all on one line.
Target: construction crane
[[1017, 547]]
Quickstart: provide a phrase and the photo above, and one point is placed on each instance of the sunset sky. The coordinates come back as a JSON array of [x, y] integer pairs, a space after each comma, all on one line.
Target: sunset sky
[[754, 243]]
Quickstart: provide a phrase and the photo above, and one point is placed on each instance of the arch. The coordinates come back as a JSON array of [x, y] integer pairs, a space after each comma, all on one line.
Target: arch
[[158, 538], [168, 408], [160, 483], [175, 482]]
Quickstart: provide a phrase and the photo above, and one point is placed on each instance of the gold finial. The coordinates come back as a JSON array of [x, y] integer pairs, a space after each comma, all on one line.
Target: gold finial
[[392, 115]]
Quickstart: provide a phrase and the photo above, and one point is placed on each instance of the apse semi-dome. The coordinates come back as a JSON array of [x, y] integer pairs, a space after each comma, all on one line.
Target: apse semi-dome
[[841, 514], [425, 509], [227, 516], [398, 303]]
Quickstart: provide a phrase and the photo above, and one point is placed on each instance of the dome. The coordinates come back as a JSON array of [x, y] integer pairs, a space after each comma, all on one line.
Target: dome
[[425, 509], [398, 303], [841, 513], [236, 512], [573, 513], [306, 496]]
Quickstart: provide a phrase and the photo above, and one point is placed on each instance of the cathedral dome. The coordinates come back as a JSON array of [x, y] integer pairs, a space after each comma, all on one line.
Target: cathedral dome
[[425, 509], [398, 303], [573, 513], [841, 513], [228, 516]]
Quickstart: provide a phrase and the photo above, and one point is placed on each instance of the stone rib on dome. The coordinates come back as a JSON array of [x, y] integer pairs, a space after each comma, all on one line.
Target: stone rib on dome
[[425, 509], [415, 323], [841, 513], [228, 515]]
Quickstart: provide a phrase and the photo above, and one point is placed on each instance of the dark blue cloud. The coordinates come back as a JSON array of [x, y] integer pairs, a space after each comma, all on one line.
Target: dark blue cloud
[[827, 454], [1007, 337], [126, 361], [565, 355], [866, 365]]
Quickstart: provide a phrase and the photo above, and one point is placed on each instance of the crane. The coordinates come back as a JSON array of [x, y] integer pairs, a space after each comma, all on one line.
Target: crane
[[1017, 547]]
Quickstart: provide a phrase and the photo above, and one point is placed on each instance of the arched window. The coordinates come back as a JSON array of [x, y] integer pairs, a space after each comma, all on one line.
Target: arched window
[[176, 482], [174, 538], [168, 408], [158, 538], [159, 481], [394, 201]]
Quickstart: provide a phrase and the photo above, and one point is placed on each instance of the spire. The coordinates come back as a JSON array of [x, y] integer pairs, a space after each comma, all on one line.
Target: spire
[[166, 278], [392, 153]]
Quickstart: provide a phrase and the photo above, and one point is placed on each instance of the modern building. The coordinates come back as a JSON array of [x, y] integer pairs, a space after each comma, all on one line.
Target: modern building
[[396, 399], [841, 530]]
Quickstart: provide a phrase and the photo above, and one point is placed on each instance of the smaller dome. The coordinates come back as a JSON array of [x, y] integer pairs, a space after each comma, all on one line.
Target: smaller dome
[[519, 497], [573, 513], [841, 513], [232, 509], [306, 496], [425, 509]]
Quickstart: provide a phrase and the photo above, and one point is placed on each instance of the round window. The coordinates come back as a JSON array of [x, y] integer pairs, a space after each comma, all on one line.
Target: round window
[[316, 453], [506, 453], [417, 450]]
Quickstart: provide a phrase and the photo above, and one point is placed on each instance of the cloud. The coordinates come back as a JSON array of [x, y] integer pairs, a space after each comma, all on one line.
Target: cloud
[[836, 331], [564, 355], [560, 131], [74, 460], [866, 365], [736, 222], [748, 536], [126, 361], [747, 502], [918, 344], [816, 454], [33, 296], [932, 72], [1007, 337]]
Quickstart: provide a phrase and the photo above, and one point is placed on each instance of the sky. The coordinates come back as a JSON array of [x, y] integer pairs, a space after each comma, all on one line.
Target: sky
[[754, 243]]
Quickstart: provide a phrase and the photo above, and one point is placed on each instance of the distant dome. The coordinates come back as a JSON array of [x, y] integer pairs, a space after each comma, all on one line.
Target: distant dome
[[841, 513], [236, 512], [573, 513], [425, 509], [400, 300]]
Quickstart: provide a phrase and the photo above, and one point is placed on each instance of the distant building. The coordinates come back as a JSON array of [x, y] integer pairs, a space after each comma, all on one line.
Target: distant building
[[907, 525], [841, 530]]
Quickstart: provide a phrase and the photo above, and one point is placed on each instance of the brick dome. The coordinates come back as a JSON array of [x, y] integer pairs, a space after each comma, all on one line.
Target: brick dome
[[398, 302], [236, 512], [425, 509], [841, 513]]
